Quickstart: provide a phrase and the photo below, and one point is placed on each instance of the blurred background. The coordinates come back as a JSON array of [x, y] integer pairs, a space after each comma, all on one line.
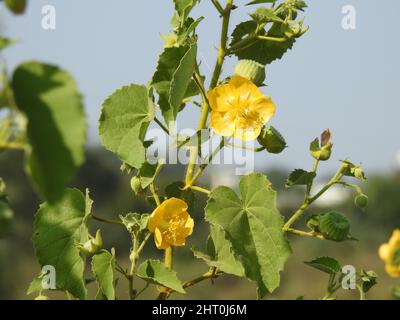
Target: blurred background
[[342, 79]]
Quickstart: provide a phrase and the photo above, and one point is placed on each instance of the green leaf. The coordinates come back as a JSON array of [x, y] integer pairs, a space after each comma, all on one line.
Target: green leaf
[[35, 286], [219, 253], [396, 293], [154, 271], [300, 177], [262, 51], [181, 79], [123, 116], [367, 279], [6, 42], [56, 125], [103, 266], [58, 228], [253, 226], [325, 264], [148, 172], [173, 67], [135, 222], [184, 7], [265, 15]]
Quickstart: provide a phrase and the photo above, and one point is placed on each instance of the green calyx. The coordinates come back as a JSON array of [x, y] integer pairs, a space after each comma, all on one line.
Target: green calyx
[[322, 150], [251, 70], [93, 245], [272, 140], [334, 226], [136, 185]]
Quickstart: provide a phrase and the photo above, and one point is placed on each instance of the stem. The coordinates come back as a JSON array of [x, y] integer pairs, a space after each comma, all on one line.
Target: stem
[[106, 220], [164, 293], [143, 290], [146, 238], [133, 267], [306, 234], [246, 148], [309, 200], [334, 180], [218, 6], [204, 165], [199, 189], [226, 14], [362, 293], [211, 274], [271, 39], [156, 120], [154, 193]]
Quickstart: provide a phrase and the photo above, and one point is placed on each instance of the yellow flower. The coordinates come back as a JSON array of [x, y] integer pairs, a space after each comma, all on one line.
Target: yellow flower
[[171, 223], [239, 109], [390, 253]]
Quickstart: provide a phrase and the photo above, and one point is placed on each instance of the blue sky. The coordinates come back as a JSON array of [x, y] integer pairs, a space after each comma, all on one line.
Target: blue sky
[[345, 80]]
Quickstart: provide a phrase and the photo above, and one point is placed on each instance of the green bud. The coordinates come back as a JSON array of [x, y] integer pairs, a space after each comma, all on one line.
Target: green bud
[[322, 151], [251, 70], [93, 245], [352, 170], [361, 201], [42, 297], [272, 140], [136, 185], [16, 6], [334, 226]]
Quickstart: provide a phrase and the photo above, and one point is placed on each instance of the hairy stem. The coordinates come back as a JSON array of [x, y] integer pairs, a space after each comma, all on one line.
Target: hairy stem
[[106, 220]]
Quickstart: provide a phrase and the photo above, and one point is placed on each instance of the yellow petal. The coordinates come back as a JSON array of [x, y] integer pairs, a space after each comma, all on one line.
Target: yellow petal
[[189, 226], [223, 123], [392, 271], [265, 108], [395, 239], [385, 252], [222, 98], [160, 240], [245, 89]]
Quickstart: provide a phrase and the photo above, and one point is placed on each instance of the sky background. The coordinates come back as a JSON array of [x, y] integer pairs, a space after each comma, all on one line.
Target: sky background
[[345, 80]]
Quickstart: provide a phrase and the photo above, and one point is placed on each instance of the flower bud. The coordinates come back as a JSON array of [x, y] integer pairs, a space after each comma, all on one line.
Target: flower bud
[[251, 70], [334, 226], [16, 6], [272, 140], [322, 151], [136, 185], [93, 245], [361, 201]]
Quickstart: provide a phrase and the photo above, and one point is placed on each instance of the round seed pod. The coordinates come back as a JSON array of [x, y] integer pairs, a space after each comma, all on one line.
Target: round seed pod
[[361, 201], [251, 70], [334, 226], [272, 140]]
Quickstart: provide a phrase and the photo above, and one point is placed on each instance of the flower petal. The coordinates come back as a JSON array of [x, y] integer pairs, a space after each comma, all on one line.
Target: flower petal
[[159, 239], [223, 123], [222, 98]]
